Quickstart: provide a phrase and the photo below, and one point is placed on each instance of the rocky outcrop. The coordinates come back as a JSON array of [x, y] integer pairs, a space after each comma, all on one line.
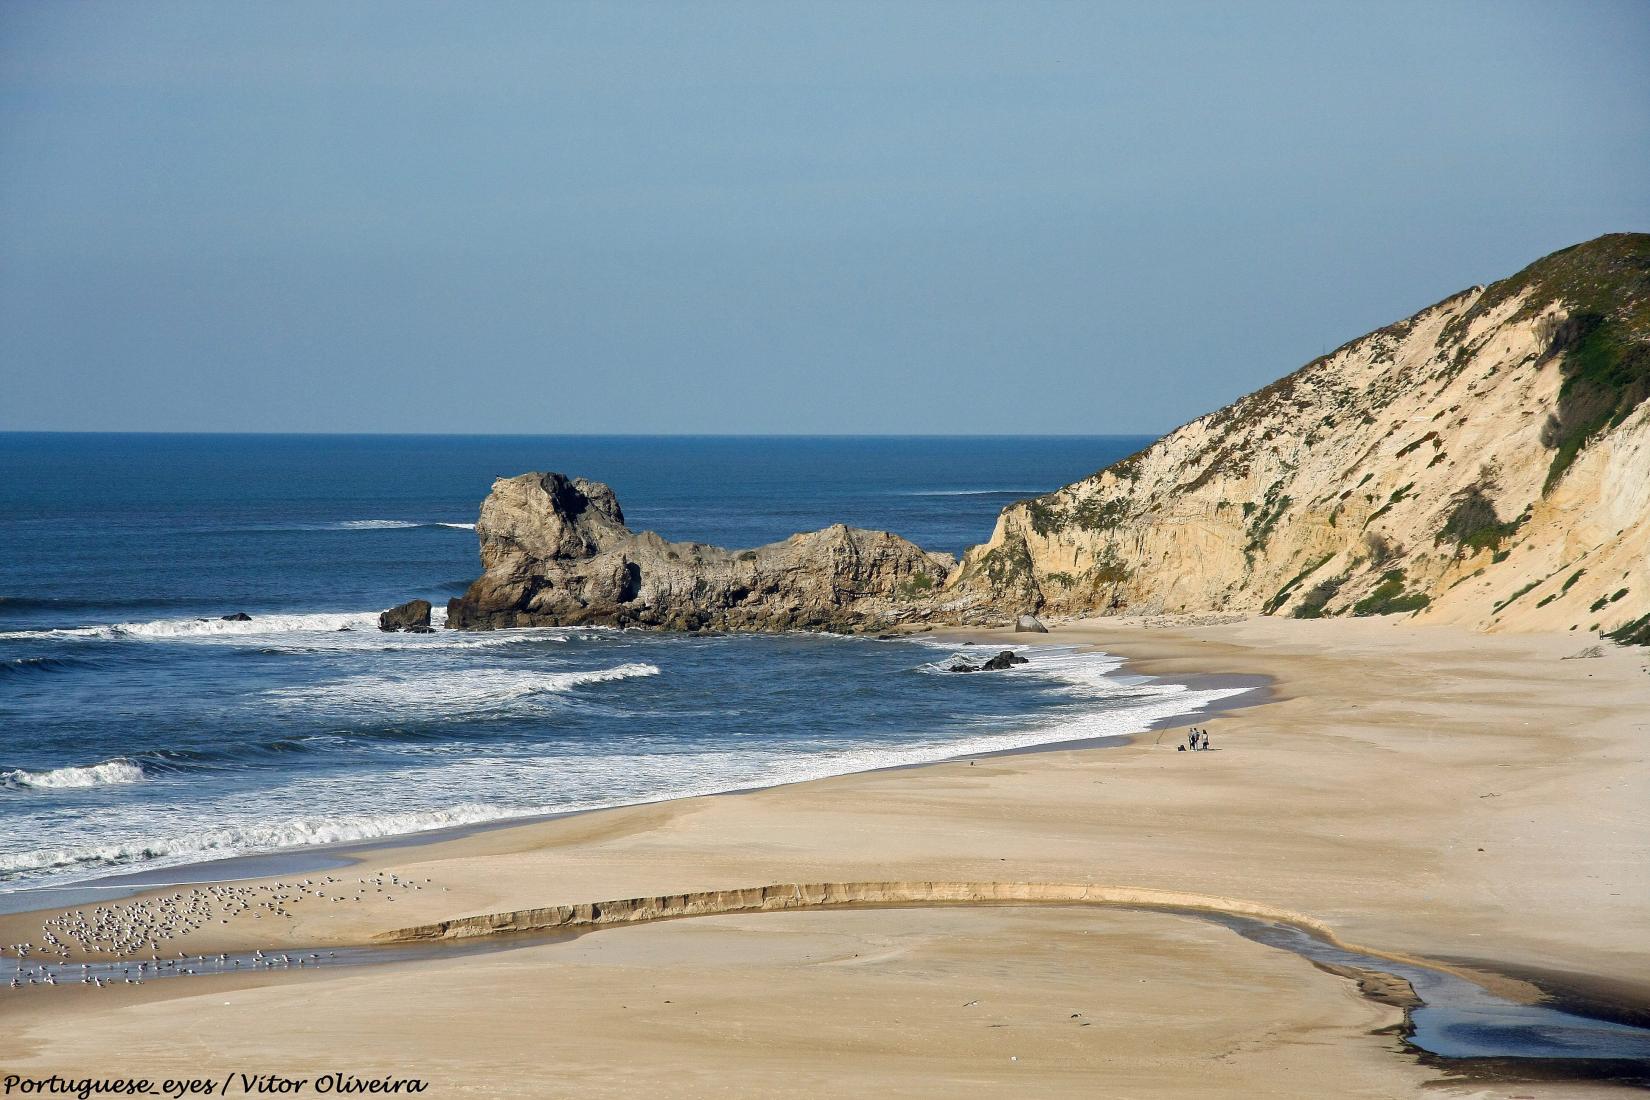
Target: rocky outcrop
[[1005, 660], [555, 551], [1485, 462], [414, 616]]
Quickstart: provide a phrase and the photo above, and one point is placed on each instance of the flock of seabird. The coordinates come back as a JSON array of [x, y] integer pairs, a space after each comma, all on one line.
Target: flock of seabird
[[117, 936]]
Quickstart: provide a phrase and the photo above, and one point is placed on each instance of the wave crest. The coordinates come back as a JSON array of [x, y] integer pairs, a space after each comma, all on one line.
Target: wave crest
[[380, 525], [31, 666], [482, 688], [110, 773], [174, 629], [235, 840]]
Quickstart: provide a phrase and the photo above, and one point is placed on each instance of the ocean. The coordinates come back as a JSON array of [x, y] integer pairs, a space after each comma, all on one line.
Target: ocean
[[140, 729]]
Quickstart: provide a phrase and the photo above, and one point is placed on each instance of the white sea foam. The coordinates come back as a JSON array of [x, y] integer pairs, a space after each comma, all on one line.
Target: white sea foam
[[574, 782], [211, 628], [376, 641], [390, 525], [239, 839], [364, 525], [468, 788], [199, 628], [109, 773], [449, 692], [1089, 670], [581, 782]]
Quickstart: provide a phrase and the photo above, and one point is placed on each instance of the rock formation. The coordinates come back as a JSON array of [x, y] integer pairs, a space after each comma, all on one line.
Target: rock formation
[[1005, 660], [556, 552], [413, 616], [1485, 462]]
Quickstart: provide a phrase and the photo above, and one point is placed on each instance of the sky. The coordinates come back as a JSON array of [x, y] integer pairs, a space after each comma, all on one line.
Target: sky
[[889, 217]]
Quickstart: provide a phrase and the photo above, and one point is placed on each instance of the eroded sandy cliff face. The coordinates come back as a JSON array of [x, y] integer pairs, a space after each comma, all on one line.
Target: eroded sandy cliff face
[[1485, 462], [555, 551]]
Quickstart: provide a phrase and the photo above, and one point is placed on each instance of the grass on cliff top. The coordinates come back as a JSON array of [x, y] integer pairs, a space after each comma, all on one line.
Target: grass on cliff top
[[1608, 276], [1605, 348], [1604, 285]]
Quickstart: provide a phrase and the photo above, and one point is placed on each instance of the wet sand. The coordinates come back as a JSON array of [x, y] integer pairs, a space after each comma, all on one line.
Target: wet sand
[[1421, 791]]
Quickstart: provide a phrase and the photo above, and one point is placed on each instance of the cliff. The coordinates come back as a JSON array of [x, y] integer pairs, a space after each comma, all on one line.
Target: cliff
[[555, 551], [1485, 462]]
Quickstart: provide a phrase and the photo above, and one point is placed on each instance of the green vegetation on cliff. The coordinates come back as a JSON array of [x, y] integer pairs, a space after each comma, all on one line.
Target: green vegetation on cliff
[[1604, 345], [1473, 524], [1636, 632], [1389, 597]]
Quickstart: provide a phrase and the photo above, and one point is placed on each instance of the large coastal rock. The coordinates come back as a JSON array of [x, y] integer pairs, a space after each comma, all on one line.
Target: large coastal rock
[[556, 552], [1485, 462], [414, 615]]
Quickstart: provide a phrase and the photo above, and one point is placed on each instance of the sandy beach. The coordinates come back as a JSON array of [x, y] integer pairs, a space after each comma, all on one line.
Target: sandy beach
[[1424, 791]]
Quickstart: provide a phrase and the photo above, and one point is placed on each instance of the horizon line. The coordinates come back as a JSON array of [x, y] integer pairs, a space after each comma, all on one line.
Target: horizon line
[[585, 435]]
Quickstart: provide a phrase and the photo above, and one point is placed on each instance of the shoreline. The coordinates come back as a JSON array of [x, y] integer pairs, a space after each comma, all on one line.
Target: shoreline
[[1454, 995], [1407, 787], [306, 859]]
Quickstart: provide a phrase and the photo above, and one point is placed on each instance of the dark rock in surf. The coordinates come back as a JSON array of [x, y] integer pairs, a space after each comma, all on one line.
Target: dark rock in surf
[[237, 617], [1006, 659], [412, 616]]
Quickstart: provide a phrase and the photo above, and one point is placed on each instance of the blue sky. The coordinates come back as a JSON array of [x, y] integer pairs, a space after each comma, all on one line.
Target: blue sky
[[888, 217]]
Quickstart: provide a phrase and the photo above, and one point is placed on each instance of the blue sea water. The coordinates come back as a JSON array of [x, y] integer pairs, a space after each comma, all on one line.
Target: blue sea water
[[140, 729]]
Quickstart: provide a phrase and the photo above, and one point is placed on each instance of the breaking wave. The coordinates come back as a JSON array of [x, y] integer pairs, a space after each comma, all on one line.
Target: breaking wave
[[239, 839], [372, 525], [34, 666], [485, 688], [388, 525], [111, 773], [173, 629]]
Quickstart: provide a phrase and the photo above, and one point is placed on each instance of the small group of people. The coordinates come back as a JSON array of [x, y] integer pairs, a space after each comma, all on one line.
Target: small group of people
[[1197, 740]]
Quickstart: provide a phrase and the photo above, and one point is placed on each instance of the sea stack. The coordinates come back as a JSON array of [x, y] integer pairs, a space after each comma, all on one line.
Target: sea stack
[[412, 616], [555, 551]]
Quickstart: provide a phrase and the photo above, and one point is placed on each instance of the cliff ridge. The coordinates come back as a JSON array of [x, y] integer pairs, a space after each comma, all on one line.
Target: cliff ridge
[[1485, 462]]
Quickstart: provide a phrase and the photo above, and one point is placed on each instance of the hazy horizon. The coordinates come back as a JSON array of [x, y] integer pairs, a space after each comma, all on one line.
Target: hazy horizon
[[769, 219], [608, 435]]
